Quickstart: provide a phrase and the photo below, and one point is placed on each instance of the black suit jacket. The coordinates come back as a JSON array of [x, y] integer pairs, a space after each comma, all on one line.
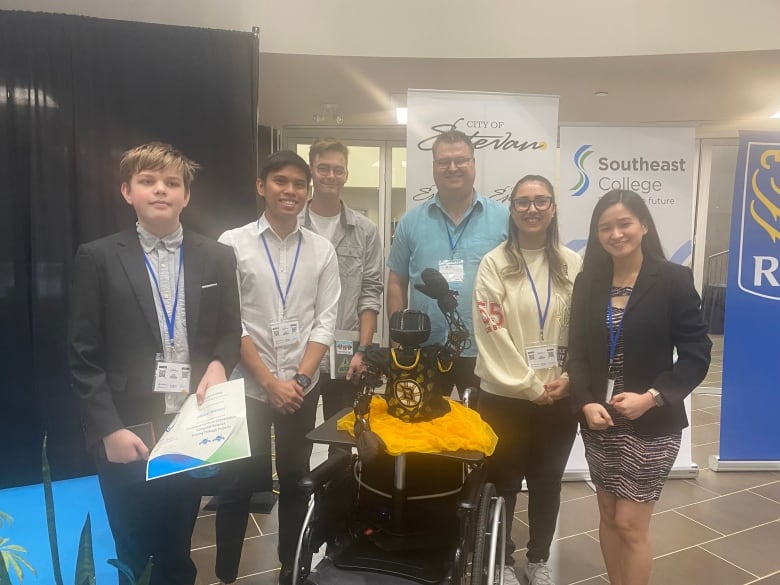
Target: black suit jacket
[[662, 314], [114, 334]]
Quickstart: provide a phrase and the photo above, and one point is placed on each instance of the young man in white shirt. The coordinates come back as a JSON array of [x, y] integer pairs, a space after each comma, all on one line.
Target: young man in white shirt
[[288, 280], [359, 252]]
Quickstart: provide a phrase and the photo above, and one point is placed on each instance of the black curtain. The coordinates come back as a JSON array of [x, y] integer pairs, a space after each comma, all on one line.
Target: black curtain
[[76, 92]]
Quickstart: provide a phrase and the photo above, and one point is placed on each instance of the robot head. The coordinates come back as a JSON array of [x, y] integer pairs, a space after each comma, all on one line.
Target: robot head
[[409, 328]]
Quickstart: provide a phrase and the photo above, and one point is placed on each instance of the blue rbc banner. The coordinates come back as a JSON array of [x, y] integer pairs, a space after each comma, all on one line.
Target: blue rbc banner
[[750, 409]]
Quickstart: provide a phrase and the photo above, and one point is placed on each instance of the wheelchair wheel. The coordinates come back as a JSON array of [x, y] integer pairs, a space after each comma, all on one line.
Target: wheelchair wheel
[[487, 562]]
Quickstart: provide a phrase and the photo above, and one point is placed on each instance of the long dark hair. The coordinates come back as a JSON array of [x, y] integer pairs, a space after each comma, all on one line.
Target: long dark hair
[[512, 246], [597, 259]]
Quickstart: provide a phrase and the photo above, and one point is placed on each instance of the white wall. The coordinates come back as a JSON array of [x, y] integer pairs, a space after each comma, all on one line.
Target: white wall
[[461, 28]]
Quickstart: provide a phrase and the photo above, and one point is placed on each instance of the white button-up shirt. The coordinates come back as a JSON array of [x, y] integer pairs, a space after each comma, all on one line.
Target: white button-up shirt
[[164, 256], [312, 299]]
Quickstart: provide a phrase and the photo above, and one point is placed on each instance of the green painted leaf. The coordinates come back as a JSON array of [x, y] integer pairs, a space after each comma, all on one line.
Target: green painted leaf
[[122, 568], [11, 560], [4, 578], [28, 565], [146, 576], [85, 562], [50, 519], [5, 517]]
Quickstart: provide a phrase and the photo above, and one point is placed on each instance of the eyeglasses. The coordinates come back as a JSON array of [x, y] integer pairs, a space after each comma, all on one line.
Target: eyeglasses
[[444, 163], [542, 203], [326, 170]]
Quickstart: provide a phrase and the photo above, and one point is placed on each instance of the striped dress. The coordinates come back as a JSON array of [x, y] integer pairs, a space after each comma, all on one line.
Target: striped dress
[[622, 462]]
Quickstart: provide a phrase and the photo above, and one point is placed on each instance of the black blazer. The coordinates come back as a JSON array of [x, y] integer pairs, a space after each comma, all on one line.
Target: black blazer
[[662, 314], [114, 334]]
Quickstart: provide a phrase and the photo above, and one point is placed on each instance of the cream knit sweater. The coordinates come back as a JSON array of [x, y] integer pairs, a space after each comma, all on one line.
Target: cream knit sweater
[[510, 321]]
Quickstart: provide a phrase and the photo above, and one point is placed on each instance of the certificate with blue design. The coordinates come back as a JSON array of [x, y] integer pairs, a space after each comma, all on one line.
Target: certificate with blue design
[[202, 436]]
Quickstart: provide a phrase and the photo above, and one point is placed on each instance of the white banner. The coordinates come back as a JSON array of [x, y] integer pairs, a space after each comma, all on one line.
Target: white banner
[[655, 162], [513, 135]]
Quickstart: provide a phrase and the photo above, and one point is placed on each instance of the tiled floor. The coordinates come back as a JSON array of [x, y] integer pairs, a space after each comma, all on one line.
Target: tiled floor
[[718, 529]]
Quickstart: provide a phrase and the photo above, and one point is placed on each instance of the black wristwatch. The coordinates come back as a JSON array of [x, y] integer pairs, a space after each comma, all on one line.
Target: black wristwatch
[[302, 380]]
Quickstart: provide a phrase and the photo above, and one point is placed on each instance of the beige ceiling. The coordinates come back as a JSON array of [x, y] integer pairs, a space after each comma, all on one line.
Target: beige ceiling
[[717, 92], [715, 65]]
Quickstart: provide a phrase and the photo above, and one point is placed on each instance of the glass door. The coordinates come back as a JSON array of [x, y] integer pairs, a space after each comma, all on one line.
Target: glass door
[[377, 179]]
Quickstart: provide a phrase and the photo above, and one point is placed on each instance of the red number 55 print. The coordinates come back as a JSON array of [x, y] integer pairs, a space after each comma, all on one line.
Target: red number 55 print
[[492, 315]]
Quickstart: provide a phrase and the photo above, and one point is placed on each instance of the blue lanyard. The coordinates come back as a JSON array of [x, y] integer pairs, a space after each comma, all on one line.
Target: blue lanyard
[[542, 316], [614, 336], [454, 245], [283, 295], [170, 320]]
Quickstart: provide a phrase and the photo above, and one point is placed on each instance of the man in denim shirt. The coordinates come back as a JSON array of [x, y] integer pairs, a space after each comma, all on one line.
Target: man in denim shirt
[[359, 253]]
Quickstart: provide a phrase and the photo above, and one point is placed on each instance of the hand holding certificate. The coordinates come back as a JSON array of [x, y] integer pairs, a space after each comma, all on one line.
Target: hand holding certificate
[[199, 436]]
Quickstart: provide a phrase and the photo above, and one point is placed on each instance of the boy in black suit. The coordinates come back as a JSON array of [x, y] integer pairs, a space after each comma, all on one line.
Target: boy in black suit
[[145, 300]]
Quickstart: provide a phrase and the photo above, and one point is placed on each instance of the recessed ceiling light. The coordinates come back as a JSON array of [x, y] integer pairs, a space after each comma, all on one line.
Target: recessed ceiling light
[[776, 114], [601, 93]]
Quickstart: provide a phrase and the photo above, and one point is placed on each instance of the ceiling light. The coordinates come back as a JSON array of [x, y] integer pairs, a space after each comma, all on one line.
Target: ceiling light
[[329, 114], [398, 103], [776, 114], [601, 93]]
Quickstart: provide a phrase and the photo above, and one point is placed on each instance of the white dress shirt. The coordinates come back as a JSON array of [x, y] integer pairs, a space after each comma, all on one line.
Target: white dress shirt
[[164, 255], [312, 298]]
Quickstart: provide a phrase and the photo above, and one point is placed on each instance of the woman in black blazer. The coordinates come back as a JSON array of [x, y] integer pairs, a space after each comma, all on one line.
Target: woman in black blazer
[[631, 309]]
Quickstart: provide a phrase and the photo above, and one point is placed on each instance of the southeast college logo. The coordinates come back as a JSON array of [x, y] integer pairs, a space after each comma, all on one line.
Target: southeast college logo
[[579, 161], [759, 266]]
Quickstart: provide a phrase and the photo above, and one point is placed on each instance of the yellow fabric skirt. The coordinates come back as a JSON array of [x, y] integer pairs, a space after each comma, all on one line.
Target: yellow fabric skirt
[[460, 429]]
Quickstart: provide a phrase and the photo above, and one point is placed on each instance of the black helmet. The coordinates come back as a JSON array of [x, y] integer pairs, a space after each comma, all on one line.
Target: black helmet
[[409, 328]]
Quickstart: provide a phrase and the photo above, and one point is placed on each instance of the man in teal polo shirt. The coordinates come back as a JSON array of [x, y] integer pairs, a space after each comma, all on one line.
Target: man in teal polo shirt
[[451, 233]]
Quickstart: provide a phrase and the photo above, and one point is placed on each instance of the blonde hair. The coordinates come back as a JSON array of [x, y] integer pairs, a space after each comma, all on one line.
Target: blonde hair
[[156, 156], [327, 144]]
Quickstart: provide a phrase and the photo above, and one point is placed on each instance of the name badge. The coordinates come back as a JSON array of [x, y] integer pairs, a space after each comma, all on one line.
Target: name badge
[[542, 356], [452, 270], [285, 332], [610, 389], [171, 377]]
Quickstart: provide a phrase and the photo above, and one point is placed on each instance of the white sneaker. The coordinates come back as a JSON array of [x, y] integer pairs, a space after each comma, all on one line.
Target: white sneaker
[[510, 577], [538, 574]]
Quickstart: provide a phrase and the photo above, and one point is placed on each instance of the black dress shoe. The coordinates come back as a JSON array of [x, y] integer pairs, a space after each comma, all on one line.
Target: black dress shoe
[[286, 575]]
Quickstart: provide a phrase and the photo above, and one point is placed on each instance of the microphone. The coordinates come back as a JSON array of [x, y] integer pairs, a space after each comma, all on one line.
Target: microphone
[[436, 286]]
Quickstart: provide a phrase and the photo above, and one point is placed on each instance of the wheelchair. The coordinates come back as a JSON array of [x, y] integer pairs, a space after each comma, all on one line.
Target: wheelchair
[[407, 534], [412, 518]]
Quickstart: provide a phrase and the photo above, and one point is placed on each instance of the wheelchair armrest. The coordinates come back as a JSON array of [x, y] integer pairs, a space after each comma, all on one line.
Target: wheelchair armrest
[[325, 471], [469, 495]]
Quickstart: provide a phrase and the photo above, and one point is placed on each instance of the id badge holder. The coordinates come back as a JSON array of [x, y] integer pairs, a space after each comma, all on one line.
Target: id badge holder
[[285, 332], [171, 377], [610, 389], [452, 271], [541, 356]]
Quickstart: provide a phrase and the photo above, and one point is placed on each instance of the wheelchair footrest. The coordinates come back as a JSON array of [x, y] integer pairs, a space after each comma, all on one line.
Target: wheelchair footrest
[[428, 566]]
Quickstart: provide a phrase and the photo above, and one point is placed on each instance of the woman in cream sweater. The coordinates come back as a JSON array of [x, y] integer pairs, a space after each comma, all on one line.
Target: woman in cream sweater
[[523, 295]]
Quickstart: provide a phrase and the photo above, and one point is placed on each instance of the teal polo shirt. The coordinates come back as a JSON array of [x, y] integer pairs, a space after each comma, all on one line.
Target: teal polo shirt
[[421, 241]]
